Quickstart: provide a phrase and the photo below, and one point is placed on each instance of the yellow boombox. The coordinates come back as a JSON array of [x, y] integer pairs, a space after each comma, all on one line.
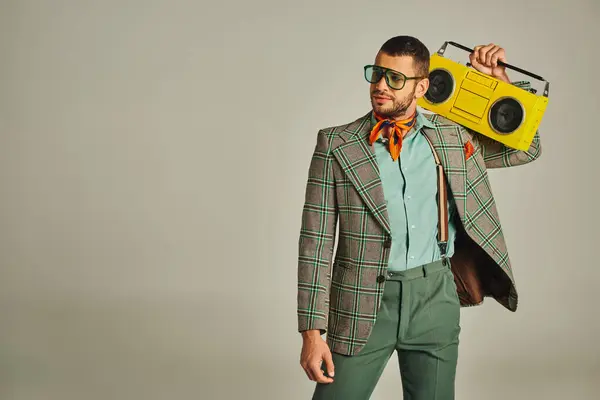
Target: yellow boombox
[[499, 110]]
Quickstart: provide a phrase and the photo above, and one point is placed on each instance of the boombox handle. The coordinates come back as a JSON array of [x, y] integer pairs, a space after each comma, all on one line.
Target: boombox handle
[[460, 46]]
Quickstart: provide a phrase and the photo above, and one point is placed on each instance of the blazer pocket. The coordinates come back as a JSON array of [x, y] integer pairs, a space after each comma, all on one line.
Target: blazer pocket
[[341, 264], [337, 277], [473, 159]]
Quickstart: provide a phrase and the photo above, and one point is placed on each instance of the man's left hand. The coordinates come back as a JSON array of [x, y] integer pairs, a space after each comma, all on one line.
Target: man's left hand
[[485, 60]]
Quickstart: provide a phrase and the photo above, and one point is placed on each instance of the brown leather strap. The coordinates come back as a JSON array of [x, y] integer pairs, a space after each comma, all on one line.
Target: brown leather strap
[[442, 202]]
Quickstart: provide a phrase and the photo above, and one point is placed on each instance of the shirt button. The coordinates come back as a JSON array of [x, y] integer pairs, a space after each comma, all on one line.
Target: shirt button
[[413, 227], [412, 257], [409, 197]]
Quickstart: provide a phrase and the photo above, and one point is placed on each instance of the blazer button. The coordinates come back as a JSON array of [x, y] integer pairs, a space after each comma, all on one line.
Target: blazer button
[[388, 243], [381, 278]]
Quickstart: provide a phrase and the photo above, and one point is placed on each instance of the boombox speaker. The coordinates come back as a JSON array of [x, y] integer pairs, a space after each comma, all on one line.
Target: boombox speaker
[[502, 111]]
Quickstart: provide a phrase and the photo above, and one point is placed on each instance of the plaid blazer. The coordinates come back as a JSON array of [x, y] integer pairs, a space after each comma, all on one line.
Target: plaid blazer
[[340, 296]]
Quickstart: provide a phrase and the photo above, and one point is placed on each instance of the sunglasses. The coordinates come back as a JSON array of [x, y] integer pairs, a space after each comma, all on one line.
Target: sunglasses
[[394, 79]]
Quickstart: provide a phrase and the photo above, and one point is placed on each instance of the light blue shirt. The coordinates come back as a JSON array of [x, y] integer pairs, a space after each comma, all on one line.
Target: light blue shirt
[[410, 190]]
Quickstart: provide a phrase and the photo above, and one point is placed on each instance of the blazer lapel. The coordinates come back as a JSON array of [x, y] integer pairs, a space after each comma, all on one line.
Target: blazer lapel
[[449, 148], [357, 159]]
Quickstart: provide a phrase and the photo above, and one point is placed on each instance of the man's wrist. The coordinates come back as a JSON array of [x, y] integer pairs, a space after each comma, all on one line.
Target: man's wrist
[[504, 77], [311, 334]]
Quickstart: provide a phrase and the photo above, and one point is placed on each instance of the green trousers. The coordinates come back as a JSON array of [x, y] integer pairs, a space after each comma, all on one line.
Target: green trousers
[[419, 319]]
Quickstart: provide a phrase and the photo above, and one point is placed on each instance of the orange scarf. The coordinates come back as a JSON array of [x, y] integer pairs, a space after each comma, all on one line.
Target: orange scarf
[[398, 130]]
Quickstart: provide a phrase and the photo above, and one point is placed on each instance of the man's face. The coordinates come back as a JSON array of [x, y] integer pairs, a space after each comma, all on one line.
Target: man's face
[[392, 103]]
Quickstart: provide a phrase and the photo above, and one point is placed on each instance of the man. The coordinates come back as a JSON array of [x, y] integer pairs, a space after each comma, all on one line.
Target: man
[[405, 263]]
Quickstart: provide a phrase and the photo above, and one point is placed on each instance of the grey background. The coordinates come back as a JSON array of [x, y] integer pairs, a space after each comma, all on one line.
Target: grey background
[[153, 159]]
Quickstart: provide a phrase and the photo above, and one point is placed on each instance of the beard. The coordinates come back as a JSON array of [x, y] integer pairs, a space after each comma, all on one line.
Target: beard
[[398, 107]]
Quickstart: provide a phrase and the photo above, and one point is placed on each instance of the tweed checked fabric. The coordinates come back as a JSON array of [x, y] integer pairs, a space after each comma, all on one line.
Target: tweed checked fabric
[[340, 296]]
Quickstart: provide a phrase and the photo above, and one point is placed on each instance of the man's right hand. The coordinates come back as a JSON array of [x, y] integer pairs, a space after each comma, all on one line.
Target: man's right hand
[[314, 351]]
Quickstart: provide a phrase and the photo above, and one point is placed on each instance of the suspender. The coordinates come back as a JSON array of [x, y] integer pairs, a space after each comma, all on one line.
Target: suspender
[[442, 200]]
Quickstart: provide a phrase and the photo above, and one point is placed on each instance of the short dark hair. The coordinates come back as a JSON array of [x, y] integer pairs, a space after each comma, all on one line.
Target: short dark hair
[[409, 46]]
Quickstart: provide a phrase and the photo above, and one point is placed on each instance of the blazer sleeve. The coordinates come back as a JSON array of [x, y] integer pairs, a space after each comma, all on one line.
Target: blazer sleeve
[[498, 155], [317, 237]]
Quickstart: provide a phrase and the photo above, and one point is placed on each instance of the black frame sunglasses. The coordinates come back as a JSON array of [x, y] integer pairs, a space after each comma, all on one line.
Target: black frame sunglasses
[[394, 79]]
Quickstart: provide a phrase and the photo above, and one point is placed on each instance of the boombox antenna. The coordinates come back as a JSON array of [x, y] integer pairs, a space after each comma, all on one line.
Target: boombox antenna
[[503, 64]]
